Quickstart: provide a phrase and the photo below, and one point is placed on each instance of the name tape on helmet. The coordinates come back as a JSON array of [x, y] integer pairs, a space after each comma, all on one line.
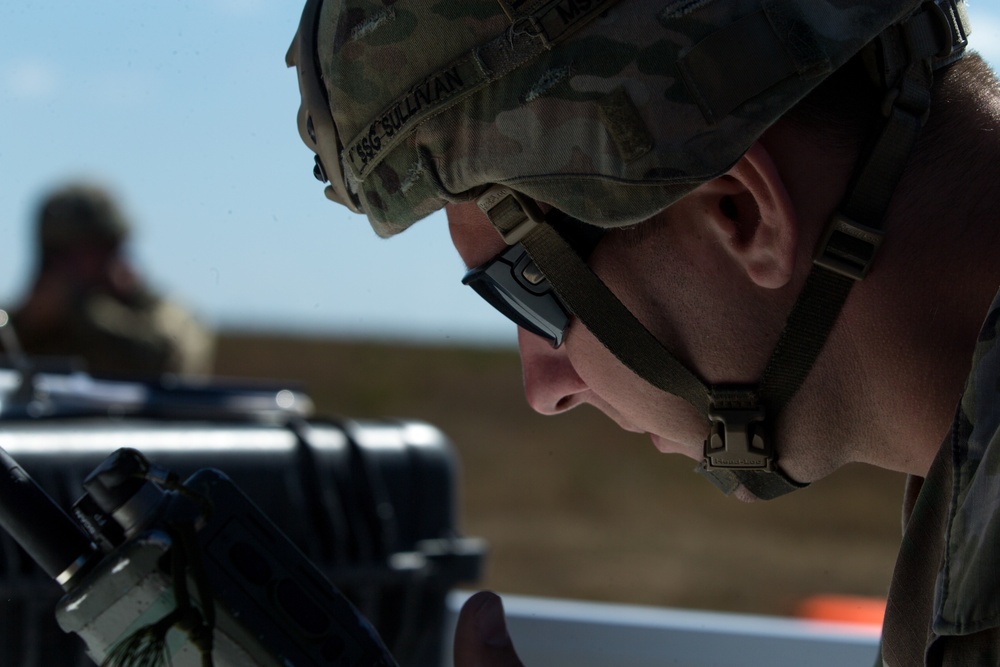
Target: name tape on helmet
[[551, 22]]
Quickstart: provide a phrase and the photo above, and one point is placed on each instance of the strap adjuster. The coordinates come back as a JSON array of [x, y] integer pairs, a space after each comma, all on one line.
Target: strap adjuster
[[738, 440], [510, 212], [848, 247], [953, 22]]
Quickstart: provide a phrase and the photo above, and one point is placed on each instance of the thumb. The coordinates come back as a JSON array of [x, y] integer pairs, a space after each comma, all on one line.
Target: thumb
[[481, 638]]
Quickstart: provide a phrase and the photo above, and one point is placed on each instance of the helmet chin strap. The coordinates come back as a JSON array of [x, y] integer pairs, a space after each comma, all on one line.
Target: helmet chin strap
[[737, 449], [740, 446]]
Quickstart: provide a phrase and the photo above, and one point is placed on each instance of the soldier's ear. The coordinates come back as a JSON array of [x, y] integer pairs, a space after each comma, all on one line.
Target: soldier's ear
[[752, 215]]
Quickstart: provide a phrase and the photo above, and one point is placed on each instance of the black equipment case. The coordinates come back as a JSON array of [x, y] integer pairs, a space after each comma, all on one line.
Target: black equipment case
[[372, 504]]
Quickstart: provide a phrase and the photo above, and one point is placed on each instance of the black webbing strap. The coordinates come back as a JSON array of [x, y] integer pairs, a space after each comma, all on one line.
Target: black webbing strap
[[518, 219], [805, 333], [764, 484], [608, 319], [623, 335], [736, 415], [847, 250], [932, 37]]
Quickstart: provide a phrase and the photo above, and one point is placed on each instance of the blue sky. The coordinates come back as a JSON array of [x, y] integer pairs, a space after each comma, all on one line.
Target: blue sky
[[187, 110]]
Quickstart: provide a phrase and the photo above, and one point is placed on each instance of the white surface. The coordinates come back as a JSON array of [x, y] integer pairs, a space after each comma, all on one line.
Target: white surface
[[553, 633]]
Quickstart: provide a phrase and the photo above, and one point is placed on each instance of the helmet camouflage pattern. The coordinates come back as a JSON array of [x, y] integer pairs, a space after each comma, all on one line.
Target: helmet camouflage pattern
[[609, 111]]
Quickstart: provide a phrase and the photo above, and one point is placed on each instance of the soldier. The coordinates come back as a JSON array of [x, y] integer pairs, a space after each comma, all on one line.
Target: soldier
[[682, 205], [87, 301]]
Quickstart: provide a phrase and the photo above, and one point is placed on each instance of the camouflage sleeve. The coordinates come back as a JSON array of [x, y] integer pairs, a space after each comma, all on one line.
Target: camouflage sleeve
[[160, 337], [980, 648], [192, 345], [966, 622], [943, 608]]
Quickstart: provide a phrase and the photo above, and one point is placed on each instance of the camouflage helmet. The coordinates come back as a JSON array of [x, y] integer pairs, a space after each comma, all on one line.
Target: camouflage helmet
[[610, 111], [77, 213], [607, 110]]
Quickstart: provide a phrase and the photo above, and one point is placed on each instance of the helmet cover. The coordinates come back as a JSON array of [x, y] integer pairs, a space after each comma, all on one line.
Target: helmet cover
[[607, 110]]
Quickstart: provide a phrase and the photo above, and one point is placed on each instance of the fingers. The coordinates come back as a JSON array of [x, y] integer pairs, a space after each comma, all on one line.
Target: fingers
[[481, 638]]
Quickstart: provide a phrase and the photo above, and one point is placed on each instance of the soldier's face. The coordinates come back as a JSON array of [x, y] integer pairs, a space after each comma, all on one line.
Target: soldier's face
[[582, 370]]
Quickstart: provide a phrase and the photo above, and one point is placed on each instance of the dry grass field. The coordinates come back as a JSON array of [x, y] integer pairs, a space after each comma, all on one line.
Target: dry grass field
[[574, 508]]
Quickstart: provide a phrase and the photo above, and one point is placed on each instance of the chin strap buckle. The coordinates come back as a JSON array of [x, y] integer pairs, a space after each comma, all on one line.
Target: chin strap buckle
[[848, 247], [738, 439]]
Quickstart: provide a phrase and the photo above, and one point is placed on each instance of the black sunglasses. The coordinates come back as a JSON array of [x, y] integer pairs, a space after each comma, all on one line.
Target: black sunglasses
[[513, 284]]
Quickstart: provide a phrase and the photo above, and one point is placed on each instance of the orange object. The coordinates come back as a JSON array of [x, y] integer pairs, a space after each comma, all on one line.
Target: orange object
[[842, 609]]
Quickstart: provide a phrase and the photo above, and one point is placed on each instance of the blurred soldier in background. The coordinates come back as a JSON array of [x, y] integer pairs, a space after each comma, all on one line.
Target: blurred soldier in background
[[88, 301]]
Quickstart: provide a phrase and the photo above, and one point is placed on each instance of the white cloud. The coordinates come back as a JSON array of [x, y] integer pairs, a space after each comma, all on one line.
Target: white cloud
[[30, 80]]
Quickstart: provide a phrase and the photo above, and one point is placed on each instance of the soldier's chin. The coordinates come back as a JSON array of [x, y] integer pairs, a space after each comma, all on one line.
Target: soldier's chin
[[743, 494]]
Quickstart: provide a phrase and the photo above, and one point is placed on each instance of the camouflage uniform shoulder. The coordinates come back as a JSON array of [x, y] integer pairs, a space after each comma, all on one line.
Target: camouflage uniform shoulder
[[151, 336], [967, 598], [943, 607]]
